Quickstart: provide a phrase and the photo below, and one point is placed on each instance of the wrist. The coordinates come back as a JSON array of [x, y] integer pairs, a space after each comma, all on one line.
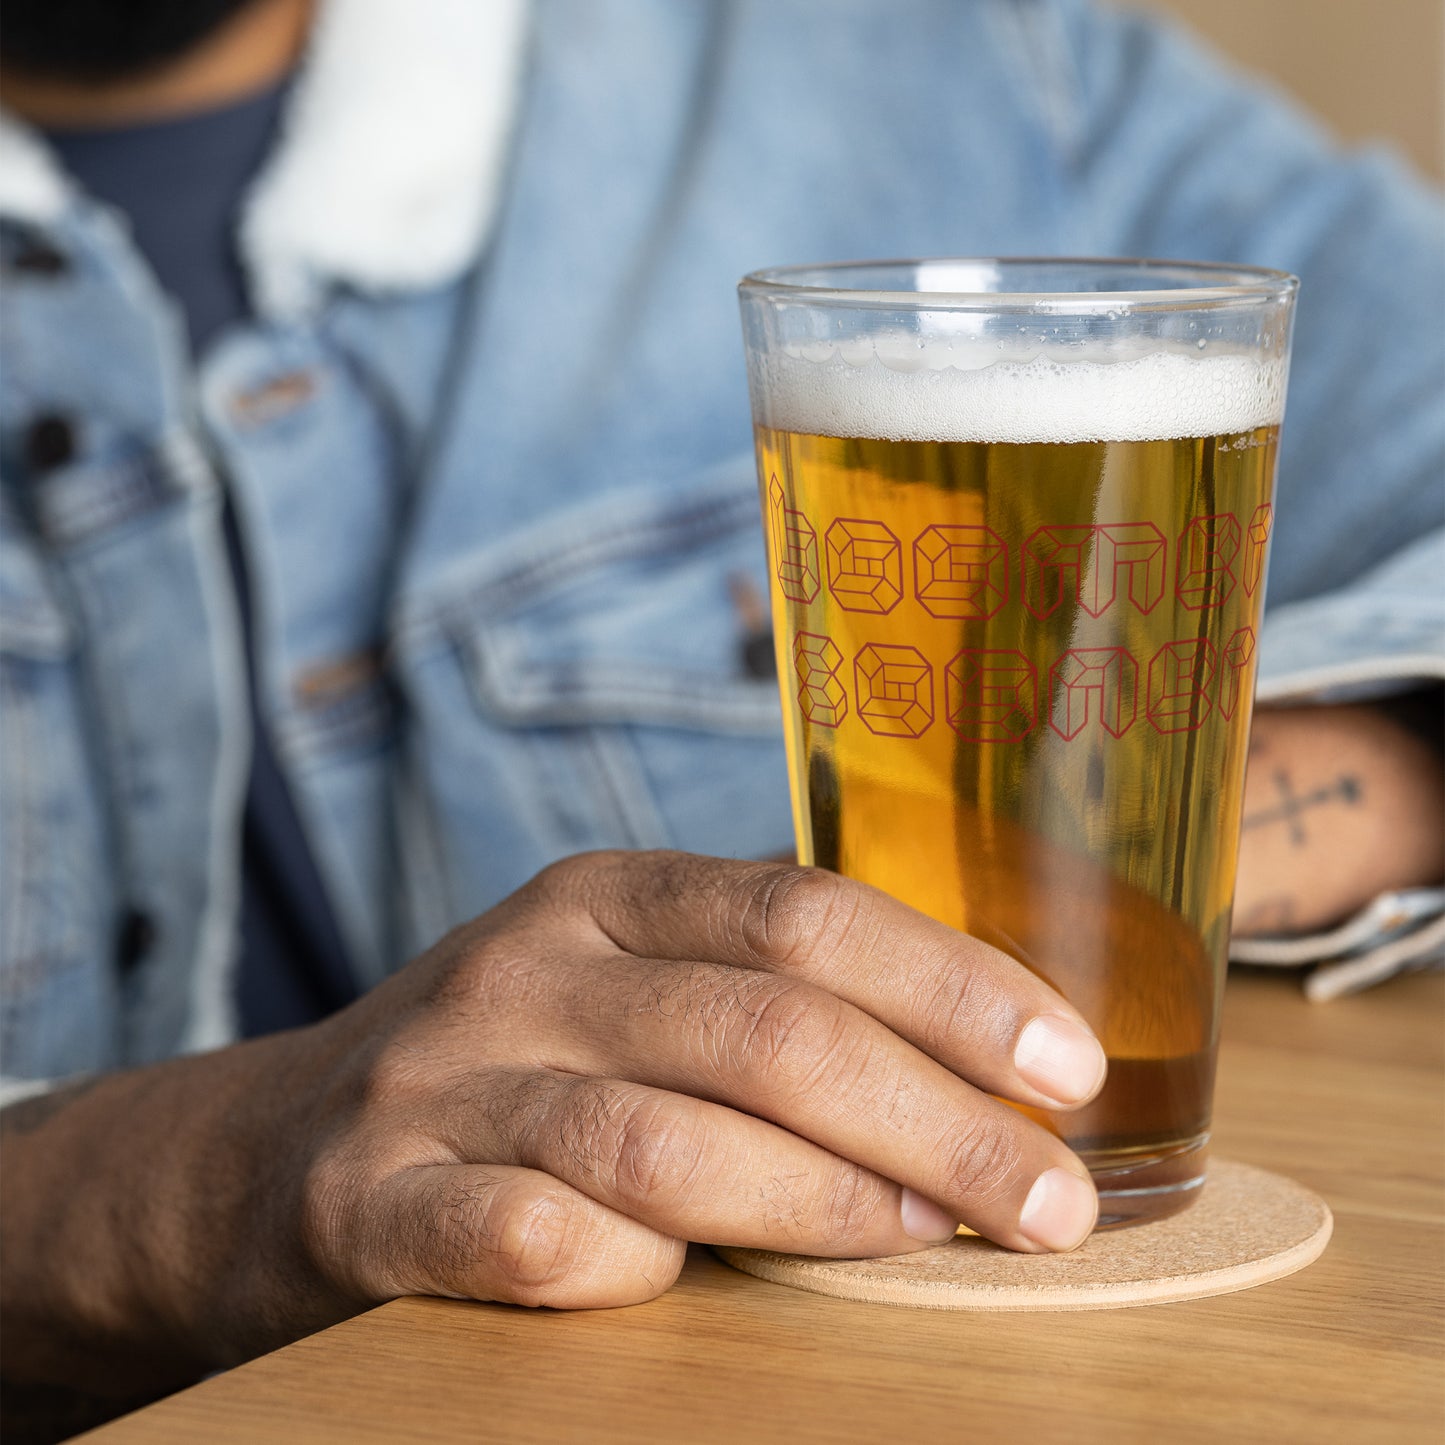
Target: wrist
[[144, 1221]]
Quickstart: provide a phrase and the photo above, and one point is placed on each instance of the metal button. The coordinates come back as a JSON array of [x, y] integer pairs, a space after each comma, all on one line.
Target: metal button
[[39, 258], [134, 938], [49, 442], [759, 660], [755, 648]]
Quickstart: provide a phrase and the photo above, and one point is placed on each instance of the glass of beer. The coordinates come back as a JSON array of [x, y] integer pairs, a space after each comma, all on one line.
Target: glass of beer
[[1018, 515]]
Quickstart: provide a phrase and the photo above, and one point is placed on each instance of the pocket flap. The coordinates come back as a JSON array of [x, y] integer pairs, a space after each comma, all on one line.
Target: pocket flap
[[624, 611]]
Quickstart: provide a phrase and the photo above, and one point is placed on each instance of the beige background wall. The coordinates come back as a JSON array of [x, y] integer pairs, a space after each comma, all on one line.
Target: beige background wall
[[1371, 68]]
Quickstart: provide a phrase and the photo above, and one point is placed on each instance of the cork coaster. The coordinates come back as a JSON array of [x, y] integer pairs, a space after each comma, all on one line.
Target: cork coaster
[[1248, 1227]]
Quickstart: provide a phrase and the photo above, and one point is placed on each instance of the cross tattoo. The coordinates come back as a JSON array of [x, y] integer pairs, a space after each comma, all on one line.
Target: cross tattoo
[[1291, 804]]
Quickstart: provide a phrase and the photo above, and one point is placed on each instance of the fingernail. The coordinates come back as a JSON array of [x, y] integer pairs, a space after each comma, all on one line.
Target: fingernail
[[923, 1219], [1060, 1210], [1060, 1059]]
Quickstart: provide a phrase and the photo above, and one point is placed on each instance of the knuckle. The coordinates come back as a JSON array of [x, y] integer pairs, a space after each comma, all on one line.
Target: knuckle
[[790, 913], [794, 1033], [668, 876], [562, 878], [593, 887], [630, 1142], [656, 1158], [570, 885], [531, 1247], [668, 882], [984, 1160]]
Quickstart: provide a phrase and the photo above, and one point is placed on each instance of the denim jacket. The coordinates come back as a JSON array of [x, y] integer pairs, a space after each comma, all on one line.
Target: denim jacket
[[488, 438]]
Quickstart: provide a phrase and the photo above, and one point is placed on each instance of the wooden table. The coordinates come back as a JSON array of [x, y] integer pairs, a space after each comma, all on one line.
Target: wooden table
[[1344, 1096]]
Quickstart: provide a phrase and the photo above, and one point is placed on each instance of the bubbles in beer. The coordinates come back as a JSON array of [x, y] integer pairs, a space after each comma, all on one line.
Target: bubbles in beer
[[1017, 605], [901, 388]]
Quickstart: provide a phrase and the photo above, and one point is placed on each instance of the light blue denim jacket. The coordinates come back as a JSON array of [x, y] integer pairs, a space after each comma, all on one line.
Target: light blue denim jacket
[[497, 508]]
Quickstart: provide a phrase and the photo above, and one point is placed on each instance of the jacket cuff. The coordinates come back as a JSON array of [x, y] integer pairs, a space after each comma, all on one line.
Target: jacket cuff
[[1383, 634], [1396, 933]]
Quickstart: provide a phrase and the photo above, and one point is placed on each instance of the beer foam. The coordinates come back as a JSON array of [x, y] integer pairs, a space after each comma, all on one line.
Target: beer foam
[[896, 389]]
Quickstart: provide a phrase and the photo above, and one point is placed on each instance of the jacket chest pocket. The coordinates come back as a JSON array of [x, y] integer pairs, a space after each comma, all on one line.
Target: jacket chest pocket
[[605, 681]]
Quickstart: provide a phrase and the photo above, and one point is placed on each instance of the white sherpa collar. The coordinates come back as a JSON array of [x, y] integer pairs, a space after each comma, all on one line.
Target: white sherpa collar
[[32, 187], [391, 158]]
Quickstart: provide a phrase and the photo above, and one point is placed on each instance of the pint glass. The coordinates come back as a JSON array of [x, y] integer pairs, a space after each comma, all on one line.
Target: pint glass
[[1018, 516]]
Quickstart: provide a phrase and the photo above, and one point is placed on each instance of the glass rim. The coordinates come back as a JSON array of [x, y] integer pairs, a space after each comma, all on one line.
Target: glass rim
[[1207, 285]]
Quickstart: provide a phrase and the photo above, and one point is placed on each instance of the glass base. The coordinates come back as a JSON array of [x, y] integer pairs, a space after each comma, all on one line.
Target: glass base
[[1140, 1188]]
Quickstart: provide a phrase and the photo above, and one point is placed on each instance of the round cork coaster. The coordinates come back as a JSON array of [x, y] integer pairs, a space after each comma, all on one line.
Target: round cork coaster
[[1248, 1227]]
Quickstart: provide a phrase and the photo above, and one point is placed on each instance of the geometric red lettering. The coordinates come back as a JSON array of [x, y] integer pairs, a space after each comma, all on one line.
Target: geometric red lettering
[[1098, 682], [1138, 551], [1237, 656], [821, 693], [865, 565], [1088, 563], [991, 695], [895, 690], [795, 548], [960, 571], [1207, 548], [1052, 567], [1179, 677], [1256, 539]]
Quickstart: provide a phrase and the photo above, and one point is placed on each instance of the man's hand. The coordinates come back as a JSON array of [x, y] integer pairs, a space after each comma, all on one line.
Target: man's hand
[[1340, 804], [634, 1051]]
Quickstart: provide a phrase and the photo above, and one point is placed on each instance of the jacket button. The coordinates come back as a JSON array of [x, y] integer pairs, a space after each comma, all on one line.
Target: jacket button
[[755, 648], [38, 258], [135, 936], [49, 442], [759, 659]]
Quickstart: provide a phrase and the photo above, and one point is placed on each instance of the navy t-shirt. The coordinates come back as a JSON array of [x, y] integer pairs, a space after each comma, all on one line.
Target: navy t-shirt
[[180, 183]]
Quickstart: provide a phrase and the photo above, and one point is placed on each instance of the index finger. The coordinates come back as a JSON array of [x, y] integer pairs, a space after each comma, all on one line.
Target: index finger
[[977, 1011]]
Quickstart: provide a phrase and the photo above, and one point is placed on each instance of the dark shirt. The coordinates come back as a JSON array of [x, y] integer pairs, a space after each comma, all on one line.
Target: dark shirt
[[180, 184]]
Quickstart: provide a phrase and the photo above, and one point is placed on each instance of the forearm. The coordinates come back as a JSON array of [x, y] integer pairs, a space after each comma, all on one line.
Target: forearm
[[132, 1210]]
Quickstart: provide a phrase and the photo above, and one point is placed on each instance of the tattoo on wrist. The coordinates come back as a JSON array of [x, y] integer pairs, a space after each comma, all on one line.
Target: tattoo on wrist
[[1292, 806]]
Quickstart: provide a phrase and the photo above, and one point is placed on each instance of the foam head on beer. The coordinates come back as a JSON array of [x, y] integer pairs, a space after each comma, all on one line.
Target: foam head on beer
[[966, 389]]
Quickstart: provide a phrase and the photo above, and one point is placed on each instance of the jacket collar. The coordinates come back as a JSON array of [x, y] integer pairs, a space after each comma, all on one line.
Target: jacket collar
[[388, 172]]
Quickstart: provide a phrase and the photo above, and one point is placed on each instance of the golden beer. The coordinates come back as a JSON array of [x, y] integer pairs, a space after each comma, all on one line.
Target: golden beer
[[1017, 665]]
